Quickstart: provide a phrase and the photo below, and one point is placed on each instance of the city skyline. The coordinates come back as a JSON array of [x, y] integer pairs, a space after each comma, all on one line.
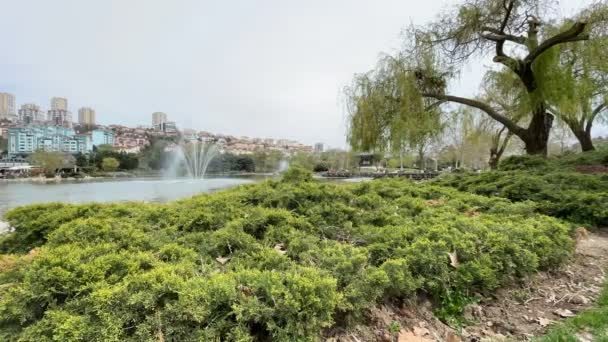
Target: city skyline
[[34, 114], [243, 69]]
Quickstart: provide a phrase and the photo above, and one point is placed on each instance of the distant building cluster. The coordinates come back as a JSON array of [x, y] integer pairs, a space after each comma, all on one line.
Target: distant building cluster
[[32, 128], [247, 145], [29, 139], [130, 140], [31, 113], [227, 143], [161, 124]]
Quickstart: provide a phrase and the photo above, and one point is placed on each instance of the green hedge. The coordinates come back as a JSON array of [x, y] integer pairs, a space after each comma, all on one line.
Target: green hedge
[[567, 195], [280, 260], [559, 163]]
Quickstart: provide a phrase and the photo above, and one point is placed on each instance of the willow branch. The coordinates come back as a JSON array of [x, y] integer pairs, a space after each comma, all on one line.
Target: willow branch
[[573, 34], [511, 126], [594, 114], [496, 36], [505, 142]]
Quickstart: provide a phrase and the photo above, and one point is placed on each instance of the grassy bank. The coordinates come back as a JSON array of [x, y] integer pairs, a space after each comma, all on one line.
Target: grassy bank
[[278, 260]]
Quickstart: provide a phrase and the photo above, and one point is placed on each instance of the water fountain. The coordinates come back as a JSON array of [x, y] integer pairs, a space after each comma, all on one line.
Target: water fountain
[[196, 156], [283, 166]]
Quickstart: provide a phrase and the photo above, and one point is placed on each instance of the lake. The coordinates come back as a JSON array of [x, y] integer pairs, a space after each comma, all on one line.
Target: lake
[[14, 194]]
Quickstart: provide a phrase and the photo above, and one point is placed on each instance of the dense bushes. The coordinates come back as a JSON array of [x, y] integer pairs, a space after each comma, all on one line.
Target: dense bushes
[[279, 260], [562, 163], [572, 196], [524, 162]]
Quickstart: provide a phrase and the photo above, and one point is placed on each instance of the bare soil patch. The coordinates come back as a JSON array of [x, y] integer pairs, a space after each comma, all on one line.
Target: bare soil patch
[[592, 169], [518, 312]]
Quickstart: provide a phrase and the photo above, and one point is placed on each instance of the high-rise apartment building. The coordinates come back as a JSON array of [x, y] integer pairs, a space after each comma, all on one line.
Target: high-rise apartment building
[[158, 118], [59, 103], [168, 127], [7, 106], [86, 116], [60, 117], [319, 147], [31, 113]]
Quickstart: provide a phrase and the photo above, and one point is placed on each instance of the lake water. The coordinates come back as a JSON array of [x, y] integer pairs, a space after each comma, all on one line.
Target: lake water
[[14, 194]]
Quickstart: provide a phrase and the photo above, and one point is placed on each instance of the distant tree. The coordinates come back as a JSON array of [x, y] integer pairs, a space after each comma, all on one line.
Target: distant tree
[[303, 160], [81, 159], [321, 167], [128, 161], [110, 164], [50, 162], [244, 164], [228, 162], [266, 161], [105, 148], [154, 156]]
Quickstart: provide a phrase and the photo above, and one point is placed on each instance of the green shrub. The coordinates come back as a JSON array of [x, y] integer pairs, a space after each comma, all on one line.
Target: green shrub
[[571, 196], [297, 174], [566, 162], [278, 260], [523, 162]]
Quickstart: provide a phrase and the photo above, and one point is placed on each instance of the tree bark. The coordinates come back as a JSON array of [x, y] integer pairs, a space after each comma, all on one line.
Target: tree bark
[[422, 165], [494, 158], [536, 137], [582, 130], [584, 138]]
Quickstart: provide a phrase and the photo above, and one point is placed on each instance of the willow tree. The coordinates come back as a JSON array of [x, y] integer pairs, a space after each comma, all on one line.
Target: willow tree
[[512, 33], [502, 90], [387, 112], [578, 91]]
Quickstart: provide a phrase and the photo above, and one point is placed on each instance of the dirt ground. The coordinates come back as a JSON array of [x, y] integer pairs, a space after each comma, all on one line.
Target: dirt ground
[[514, 313]]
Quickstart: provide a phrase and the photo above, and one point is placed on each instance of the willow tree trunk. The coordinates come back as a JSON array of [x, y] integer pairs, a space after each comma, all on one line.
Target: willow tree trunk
[[421, 164], [584, 138], [493, 162], [536, 136]]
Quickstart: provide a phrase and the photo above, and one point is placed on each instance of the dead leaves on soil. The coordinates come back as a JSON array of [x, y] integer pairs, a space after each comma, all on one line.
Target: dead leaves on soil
[[280, 248], [222, 260], [453, 259], [564, 313], [410, 336]]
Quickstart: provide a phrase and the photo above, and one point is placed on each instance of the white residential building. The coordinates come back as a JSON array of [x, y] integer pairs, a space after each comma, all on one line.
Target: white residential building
[[31, 113], [7, 106]]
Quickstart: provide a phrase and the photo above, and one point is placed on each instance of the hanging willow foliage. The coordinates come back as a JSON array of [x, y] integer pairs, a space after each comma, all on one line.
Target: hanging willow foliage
[[387, 110], [577, 78]]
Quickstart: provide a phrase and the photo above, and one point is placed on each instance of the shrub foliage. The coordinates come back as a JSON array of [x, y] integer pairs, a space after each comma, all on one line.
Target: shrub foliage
[[279, 260], [571, 196]]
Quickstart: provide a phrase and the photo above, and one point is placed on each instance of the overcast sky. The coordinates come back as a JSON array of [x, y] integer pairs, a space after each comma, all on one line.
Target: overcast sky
[[263, 68]]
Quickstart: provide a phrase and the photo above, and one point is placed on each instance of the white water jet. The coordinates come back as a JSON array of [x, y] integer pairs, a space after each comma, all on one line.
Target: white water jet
[[283, 166], [196, 155]]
